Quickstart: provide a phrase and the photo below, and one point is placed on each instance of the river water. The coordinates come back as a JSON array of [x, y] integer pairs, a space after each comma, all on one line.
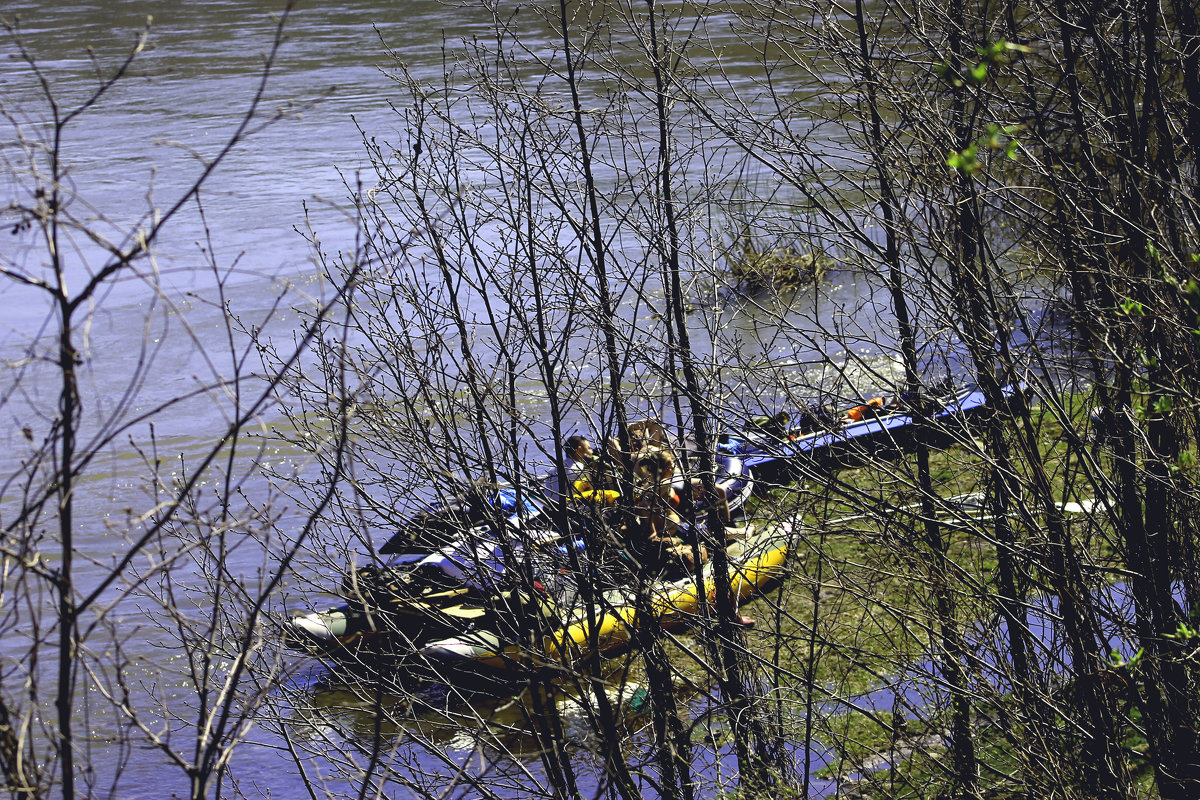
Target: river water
[[161, 335]]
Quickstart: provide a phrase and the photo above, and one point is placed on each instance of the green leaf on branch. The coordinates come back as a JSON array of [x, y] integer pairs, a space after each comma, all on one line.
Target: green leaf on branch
[[965, 161], [1117, 661], [1164, 404], [996, 54], [998, 138], [949, 74], [1189, 287], [1132, 308], [994, 137], [1183, 633], [1002, 138]]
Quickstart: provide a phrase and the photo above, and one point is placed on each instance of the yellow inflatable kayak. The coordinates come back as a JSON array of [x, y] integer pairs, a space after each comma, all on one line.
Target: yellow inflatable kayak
[[756, 562]]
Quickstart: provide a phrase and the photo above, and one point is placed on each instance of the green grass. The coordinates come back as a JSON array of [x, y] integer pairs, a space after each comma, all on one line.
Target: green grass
[[859, 603]]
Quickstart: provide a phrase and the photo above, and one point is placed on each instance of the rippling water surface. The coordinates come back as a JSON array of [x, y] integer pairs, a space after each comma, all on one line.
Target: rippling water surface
[[163, 332]]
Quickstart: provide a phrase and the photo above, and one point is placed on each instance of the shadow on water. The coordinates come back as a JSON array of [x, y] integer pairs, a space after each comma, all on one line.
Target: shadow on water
[[458, 734]]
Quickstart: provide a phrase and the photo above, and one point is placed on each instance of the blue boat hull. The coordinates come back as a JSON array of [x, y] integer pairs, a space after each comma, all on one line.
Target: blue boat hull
[[854, 440]]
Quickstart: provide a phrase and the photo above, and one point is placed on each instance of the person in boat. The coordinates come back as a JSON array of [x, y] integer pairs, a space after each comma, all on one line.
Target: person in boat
[[582, 455], [647, 436], [663, 536], [585, 473], [644, 435], [660, 524]]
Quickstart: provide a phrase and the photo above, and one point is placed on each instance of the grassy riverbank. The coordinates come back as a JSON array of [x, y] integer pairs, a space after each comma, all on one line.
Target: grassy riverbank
[[876, 593]]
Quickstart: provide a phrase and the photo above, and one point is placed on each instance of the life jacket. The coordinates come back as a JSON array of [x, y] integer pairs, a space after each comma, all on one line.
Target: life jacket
[[857, 413], [583, 491]]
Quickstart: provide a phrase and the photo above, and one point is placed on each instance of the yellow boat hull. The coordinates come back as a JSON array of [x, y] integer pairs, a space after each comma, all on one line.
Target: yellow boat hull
[[754, 565]]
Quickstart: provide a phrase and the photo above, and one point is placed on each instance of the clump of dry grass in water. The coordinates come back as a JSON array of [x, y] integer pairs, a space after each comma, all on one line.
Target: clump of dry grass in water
[[754, 269]]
